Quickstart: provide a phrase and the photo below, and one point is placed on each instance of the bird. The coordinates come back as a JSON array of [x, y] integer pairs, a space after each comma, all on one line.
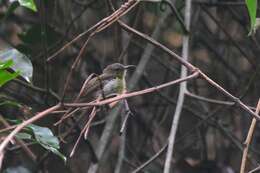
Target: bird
[[110, 83]]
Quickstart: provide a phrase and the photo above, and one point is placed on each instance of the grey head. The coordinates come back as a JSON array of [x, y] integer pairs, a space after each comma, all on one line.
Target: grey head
[[116, 69]]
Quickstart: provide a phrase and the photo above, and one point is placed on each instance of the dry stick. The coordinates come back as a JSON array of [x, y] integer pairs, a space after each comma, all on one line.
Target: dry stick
[[20, 142], [2, 154], [190, 67], [91, 117], [70, 112], [255, 170], [132, 94], [209, 100], [74, 65], [24, 124], [86, 127], [128, 113], [35, 88], [66, 115], [151, 159], [101, 25], [107, 132], [8, 128], [181, 96], [112, 117], [249, 139], [146, 56]]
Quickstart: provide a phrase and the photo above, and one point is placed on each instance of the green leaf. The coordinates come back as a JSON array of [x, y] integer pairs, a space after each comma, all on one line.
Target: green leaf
[[252, 7], [6, 76], [28, 4], [20, 62], [46, 139], [42, 136]]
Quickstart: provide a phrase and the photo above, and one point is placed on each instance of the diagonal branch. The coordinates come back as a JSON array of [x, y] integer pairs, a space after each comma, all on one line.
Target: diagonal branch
[[248, 140], [190, 67]]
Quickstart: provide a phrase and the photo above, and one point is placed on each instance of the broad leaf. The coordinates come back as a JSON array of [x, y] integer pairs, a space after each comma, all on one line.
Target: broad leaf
[[20, 62], [45, 138], [5, 75]]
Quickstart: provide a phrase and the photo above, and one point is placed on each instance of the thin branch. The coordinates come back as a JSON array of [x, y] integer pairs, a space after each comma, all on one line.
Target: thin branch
[[151, 159], [27, 150], [190, 67], [145, 58], [249, 139], [132, 94], [24, 124], [106, 135], [101, 25], [209, 100], [181, 97]]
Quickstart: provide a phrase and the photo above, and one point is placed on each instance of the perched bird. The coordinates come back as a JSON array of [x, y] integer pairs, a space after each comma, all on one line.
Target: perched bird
[[110, 83]]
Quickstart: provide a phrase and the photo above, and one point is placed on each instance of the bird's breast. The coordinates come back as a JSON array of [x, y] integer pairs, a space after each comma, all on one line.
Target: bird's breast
[[112, 87]]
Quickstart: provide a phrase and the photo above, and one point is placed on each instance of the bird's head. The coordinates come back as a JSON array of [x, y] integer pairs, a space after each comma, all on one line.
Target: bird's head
[[117, 69]]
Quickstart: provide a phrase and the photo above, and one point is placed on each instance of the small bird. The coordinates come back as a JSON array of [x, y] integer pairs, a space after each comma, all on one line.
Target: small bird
[[110, 83]]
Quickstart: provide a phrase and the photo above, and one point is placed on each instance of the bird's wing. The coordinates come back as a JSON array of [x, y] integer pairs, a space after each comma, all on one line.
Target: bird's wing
[[95, 84]]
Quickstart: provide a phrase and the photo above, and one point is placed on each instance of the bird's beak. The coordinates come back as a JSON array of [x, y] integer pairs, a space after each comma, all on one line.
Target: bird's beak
[[129, 66]]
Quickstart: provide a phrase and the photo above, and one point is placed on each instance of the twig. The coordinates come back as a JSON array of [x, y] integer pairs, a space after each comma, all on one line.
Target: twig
[[249, 139], [103, 24], [132, 94], [2, 154], [176, 13], [190, 68], [70, 112], [24, 124], [35, 88], [148, 51], [107, 132], [151, 159], [209, 100], [121, 152], [83, 131], [183, 89], [128, 113], [20, 142]]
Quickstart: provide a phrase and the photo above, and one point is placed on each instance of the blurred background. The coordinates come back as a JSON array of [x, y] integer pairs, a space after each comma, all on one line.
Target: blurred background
[[210, 134]]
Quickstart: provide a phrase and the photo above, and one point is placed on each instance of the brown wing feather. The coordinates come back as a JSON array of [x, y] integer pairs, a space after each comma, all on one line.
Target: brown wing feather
[[94, 85]]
